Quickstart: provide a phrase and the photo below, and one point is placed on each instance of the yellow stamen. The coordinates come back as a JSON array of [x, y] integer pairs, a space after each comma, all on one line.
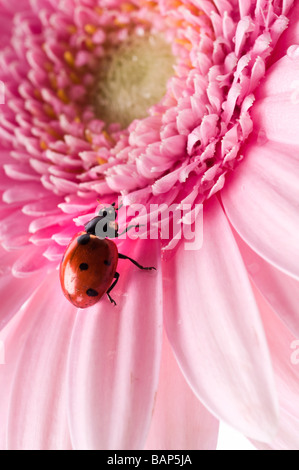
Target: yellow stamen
[[37, 94], [53, 81], [69, 58], [101, 161], [54, 133], [49, 111], [150, 3], [62, 96], [43, 145], [128, 7], [99, 10], [72, 29], [108, 137], [74, 77], [184, 42], [48, 66], [119, 24], [90, 29], [176, 3], [88, 136], [89, 44]]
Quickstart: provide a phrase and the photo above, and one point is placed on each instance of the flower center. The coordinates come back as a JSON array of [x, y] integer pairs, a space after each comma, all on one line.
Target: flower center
[[132, 78]]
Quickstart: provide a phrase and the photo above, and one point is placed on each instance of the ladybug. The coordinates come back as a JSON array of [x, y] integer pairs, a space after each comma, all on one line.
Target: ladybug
[[88, 267]]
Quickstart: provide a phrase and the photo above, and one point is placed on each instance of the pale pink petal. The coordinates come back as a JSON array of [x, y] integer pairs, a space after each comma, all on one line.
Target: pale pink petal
[[10, 353], [284, 348], [114, 359], [280, 290], [37, 412], [270, 123], [280, 79], [214, 327], [179, 421], [30, 261], [261, 201], [287, 437], [13, 292]]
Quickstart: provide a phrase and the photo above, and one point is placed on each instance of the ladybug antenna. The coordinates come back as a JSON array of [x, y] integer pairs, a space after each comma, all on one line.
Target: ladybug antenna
[[119, 207]]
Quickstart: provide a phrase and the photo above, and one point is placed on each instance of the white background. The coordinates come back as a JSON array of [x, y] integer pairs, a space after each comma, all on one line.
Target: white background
[[230, 439]]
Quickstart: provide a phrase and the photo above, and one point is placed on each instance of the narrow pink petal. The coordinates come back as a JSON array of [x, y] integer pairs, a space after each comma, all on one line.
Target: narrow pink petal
[[261, 201], [179, 421], [215, 330], [279, 289], [290, 36], [114, 359], [37, 411]]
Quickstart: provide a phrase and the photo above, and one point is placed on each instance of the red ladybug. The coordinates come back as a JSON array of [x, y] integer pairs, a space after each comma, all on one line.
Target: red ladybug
[[88, 267]]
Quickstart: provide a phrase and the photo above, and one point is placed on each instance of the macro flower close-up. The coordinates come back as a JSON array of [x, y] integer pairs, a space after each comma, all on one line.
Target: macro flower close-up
[[179, 118]]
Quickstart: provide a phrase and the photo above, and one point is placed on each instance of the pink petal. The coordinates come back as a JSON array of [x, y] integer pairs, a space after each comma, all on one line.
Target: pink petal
[[261, 201], [30, 261], [215, 330], [115, 357], [284, 349], [280, 290], [179, 421], [37, 413], [13, 292], [280, 77], [267, 116]]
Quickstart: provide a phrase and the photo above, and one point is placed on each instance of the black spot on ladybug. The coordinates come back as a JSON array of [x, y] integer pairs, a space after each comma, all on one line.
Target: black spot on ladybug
[[83, 239], [107, 262], [83, 266], [92, 293]]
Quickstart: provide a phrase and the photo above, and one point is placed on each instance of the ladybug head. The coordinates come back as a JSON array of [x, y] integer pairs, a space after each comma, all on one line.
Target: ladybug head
[[104, 224], [108, 212]]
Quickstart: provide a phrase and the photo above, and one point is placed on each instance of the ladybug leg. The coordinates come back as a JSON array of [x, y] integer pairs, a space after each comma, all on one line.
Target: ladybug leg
[[135, 262], [128, 228], [116, 276]]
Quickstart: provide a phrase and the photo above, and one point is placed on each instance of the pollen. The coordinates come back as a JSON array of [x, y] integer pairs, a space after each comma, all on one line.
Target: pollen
[[49, 111], [90, 29], [108, 137], [89, 44], [74, 78], [72, 29], [69, 58], [37, 94], [132, 78], [88, 136], [184, 42], [128, 7], [62, 96], [43, 145], [101, 161]]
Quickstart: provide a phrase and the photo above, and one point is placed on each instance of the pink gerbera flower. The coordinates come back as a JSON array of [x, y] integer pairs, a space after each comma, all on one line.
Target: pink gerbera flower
[[185, 102]]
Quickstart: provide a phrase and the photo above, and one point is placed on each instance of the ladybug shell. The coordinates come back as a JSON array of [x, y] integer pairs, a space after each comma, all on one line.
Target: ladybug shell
[[87, 269]]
